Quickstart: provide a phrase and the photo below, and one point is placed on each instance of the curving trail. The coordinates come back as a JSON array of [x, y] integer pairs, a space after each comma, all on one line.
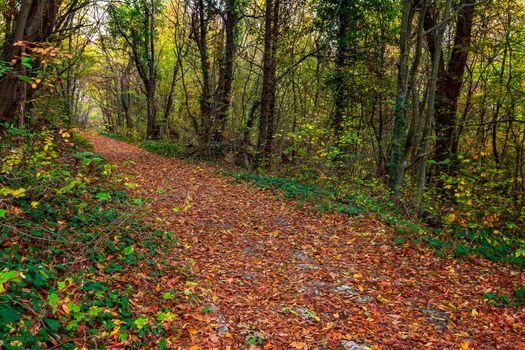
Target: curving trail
[[307, 281]]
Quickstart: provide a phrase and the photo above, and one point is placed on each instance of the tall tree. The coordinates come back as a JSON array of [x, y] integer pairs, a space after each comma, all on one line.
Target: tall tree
[[269, 83], [135, 22], [450, 80], [230, 19], [399, 134]]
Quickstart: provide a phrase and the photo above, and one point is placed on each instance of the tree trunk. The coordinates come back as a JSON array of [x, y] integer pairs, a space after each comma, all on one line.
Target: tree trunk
[[269, 79], [450, 80], [226, 77], [341, 66], [34, 22], [399, 135], [151, 131], [435, 42], [125, 96]]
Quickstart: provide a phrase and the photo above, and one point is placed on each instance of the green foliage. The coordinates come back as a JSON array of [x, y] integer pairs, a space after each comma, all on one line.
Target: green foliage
[[118, 137], [486, 217], [503, 300], [166, 149], [65, 247], [81, 142], [358, 198]]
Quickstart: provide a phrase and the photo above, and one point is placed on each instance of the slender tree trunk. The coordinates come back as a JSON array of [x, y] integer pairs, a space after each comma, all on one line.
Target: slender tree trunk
[[151, 132], [399, 134], [199, 35], [225, 83], [269, 78], [435, 41], [341, 67], [416, 112], [125, 96]]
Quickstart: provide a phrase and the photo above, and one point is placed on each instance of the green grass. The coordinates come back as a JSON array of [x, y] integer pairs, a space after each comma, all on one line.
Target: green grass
[[118, 137]]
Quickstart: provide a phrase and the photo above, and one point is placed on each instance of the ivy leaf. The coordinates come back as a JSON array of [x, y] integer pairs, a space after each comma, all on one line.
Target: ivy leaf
[[52, 300], [53, 324], [163, 344], [7, 276], [253, 340], [8, 315], [25, 62], [104, 196]]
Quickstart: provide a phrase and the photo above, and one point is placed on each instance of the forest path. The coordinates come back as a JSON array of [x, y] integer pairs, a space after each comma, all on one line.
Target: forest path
[[290, 278]]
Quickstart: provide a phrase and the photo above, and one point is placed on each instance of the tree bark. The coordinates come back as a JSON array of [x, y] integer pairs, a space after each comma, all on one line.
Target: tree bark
[[269, 78], [435, 42], [341, 66], [152, 132], [399, 134], [34, 23], [450, 80], [226, 76]]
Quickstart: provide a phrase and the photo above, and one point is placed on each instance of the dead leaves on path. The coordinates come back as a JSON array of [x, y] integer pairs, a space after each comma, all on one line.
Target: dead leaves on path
[[280, 277]]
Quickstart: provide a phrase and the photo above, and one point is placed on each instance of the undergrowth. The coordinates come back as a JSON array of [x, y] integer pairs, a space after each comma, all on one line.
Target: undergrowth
[[78, 270], [165, 149]]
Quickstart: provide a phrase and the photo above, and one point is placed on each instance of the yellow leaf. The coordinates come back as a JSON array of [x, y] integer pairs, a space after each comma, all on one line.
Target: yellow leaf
[[298, 345], [115, 330], [357, 275], [382, 299], [474, 312], [33, 86], [464, 345], [21, 192], [450, 218]]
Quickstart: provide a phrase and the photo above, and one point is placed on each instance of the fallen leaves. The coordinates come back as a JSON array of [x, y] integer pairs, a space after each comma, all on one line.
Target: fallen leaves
[[256, 256]]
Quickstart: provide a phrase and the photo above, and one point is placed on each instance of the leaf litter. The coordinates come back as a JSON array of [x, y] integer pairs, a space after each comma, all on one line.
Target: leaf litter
[[277, 276]]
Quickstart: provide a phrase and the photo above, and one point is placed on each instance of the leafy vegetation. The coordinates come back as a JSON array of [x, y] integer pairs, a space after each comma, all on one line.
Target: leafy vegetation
[[72, 252], [164, 148]]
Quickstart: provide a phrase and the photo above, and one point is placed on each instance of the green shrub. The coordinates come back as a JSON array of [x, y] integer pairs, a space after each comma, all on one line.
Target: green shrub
[[166, 149]]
